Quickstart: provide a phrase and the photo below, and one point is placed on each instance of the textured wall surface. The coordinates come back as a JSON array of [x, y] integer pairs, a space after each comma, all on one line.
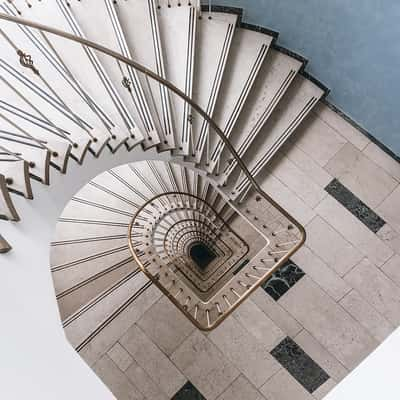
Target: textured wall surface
[[353, 47]]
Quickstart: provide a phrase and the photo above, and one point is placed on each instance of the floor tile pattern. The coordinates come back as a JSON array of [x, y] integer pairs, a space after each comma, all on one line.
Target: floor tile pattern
[[188, 392]]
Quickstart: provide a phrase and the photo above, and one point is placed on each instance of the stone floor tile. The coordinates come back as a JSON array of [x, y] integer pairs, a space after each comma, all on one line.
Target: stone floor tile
[[204, 365], [244, 351], [152, 360], [276, 312], [116, 380], [377, 289], [390, 237], [317, 139], [343, 127], [367, 316], [321, 355], [258, 324], [331, 247], [369, 182], [165, 325], [354, 231], [188, 392], [297, 181], [320, 273], [324, 389], [120, 357], [329, 323], [241, 389], [282, 386], [390, 209], [138, 376], [392, 269], [379, 157]]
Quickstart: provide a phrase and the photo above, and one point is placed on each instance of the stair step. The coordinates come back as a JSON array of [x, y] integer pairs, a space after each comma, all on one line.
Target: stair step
[[17, 173], [7, 209]]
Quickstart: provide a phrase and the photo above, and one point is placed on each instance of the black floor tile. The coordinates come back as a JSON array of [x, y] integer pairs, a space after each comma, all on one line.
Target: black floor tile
[[188, 392], [283, 279], [305, 370], [343, 195]]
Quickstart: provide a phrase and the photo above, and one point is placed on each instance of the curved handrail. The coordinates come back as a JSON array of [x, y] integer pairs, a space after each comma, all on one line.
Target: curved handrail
[[178, 92]]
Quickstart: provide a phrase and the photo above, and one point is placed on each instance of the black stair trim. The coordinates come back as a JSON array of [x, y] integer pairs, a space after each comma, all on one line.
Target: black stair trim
[[316, 81]]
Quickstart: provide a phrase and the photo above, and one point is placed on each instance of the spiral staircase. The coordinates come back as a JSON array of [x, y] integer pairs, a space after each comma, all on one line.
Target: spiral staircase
[[192, 105]]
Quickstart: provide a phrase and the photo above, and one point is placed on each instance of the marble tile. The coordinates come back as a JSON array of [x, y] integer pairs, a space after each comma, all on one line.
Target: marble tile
[[390, 237], [283, 279], [317, 139], [152, 360], [296, 180], [115, 380], [282, 386], [365, 179], [392, 269], [377, 289], [120, 357], [241, 389], [340, 125], [306, 164], [331, 247], [165, 325], [354, 231], [321, 355], [379, 157], [367, 316], [204, 365], [302, 367], [324, 389], [359, 209], [276, 312], [258, 324], [286, 198], [390, 209], [244, 351], [188, 392], [320, 273], [139, 377], [329, 323]]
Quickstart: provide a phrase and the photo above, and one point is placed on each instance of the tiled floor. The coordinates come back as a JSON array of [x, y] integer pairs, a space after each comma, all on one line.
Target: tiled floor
[[315, 320]]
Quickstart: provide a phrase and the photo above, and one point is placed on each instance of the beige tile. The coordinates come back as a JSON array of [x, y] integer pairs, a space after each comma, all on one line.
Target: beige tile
[[138, 376], [276, 312], [310, 167], [389, 210], [367, 316], [297, 181], [328, 322], [120, 357], [358, 173], [106, 338], [153, 361], [390, 237], [259, 324], [282, 386], [340, 125], [286, 198], [354, 231], [165, 325], [241, 389], [324, 389], [392, 269], [321, 355], [379, 157], [317, 139], [320, 273], [377, 289], [115, 380], [244, 351], [328, 244], [204, 365]]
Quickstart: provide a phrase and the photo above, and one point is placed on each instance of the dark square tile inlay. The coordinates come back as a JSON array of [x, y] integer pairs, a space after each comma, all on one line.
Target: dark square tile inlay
[[283, 279], [305, 370], [188, 392], [343, 195]]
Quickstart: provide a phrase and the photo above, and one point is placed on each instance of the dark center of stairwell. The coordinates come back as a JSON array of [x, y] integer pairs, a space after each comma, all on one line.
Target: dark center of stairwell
[[202, 255]]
